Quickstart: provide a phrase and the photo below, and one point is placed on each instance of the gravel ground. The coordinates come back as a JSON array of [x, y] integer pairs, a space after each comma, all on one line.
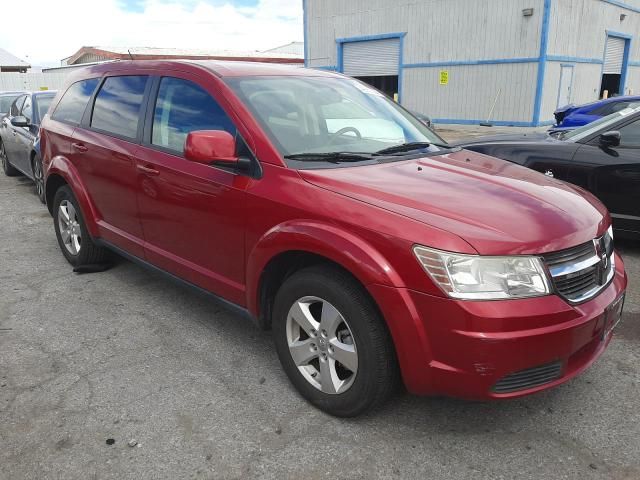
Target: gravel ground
[[127, 355]]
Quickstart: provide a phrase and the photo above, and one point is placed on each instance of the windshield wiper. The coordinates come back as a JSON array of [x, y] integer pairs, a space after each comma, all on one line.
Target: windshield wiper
[[330, 157], [404, 147]]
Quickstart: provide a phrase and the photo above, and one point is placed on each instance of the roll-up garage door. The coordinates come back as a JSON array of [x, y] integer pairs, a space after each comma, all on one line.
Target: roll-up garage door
[[614, 56], [371, 58]]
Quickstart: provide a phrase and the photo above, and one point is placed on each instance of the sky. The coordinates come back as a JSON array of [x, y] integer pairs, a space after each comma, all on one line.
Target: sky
[[61, 27]]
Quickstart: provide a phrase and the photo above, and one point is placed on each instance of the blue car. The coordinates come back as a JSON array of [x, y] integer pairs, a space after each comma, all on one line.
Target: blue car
[[574, 116]]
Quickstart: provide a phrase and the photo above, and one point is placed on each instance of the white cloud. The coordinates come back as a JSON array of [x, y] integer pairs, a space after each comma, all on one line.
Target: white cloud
[[61, 27]]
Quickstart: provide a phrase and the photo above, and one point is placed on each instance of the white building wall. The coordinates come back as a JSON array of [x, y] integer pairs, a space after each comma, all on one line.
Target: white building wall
[[438, 30], [445, 32], [584, 89], [31, 81], [442, 32], [472, 91], [577, 36]]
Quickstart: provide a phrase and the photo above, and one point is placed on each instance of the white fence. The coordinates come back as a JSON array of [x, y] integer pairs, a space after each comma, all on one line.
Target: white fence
[[32, 81]]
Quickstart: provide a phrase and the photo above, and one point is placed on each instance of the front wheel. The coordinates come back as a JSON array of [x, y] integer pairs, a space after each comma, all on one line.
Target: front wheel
[[73, 237], [332, 342]]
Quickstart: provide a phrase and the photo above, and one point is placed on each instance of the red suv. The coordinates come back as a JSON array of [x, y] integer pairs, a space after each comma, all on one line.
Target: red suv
[[323, 210]]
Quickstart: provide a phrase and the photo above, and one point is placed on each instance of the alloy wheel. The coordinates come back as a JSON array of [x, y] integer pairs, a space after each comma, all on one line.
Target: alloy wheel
[[3, 156], [322, 345], [69, 226], [37, 174]]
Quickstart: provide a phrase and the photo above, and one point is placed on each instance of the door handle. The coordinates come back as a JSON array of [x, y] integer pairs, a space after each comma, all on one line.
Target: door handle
[[147, 170], [79, 147]]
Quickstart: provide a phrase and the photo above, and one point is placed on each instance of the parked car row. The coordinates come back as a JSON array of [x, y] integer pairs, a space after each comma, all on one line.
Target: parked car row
[[573, 116], [319, 208], [18, 136]]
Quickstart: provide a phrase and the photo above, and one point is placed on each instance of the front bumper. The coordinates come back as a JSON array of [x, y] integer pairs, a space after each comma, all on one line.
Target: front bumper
[[463, 348]]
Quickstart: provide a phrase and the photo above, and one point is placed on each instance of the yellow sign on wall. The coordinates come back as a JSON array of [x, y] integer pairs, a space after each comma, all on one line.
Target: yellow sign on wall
[[444, 77]]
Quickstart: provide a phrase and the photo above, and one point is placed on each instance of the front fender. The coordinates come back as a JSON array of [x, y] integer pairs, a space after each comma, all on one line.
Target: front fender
[[61, 167], [354, 254]]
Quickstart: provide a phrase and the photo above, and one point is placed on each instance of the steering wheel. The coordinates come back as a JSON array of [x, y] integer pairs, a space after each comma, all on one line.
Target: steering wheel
[[344, 130]]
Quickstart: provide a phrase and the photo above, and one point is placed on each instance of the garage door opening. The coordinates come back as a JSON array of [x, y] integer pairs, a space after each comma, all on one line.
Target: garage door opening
[[615, 66], [387, 84], [375, 62]]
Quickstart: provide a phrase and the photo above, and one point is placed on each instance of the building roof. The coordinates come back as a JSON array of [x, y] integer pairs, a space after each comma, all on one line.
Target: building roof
[[9, 60], [293, 48], [153, 53]]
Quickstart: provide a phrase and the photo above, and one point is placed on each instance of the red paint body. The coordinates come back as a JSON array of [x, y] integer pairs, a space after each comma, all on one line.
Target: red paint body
[[218, 230]]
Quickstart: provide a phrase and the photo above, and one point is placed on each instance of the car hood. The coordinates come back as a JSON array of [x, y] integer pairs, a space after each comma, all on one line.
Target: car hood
[[497, 207]]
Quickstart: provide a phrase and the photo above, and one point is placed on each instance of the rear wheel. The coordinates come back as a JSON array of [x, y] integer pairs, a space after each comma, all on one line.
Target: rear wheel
[[333, 343], [38, 177], [74, 239], [8, 169]]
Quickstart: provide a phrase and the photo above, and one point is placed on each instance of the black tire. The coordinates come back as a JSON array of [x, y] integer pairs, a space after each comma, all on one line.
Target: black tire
[[38, 177], [377, 374], [8, 169], [88, 253]]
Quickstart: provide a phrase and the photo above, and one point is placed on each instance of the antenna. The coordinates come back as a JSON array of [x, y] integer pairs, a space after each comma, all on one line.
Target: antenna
[[129, 52]]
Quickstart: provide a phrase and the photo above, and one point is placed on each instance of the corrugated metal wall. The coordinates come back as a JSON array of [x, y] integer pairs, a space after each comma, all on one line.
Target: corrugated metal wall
[[577, 36], [443, 31], [472, 91], [578, 27], [460, 31], [438, 30], [32, 81]]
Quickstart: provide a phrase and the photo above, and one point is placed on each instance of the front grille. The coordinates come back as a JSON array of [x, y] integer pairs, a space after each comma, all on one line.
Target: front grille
[[529, 378], [575, 254], [581, 272]]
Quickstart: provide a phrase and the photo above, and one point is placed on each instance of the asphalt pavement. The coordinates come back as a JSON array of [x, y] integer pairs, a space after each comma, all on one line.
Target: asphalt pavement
[[123, 374]]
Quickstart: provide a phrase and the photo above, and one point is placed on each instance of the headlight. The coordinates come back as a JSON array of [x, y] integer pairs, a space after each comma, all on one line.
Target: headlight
[[475, 277]]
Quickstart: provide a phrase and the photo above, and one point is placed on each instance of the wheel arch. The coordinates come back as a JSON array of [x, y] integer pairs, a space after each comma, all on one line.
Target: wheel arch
[[291, 246], [61, 172]]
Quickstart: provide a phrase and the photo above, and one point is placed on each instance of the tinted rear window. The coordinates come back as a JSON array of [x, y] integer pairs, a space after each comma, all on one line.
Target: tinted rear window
[[75, 99], [118, 103]]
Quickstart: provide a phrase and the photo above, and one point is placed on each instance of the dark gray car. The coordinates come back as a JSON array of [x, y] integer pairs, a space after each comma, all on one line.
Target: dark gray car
[[18, 136]]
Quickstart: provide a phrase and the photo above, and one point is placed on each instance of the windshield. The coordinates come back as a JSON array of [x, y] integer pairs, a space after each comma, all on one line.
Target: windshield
[[44, 102], [598, 125], [321, 115], [6, 101]]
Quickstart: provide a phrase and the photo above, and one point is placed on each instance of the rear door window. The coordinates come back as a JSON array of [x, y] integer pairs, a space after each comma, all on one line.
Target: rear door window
[[183, 107], [118, 104], [74, 101]]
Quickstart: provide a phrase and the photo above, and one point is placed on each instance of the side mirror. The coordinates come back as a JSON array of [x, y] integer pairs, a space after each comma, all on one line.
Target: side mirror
[[208, 146], [20, 121], [610, 139]]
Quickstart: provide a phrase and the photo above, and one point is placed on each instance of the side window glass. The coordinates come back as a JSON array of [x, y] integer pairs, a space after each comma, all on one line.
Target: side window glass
[[618, 107], [630, 135], [74, 101], [27, 110], [118, 104], [17, 106], [183, 107]]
